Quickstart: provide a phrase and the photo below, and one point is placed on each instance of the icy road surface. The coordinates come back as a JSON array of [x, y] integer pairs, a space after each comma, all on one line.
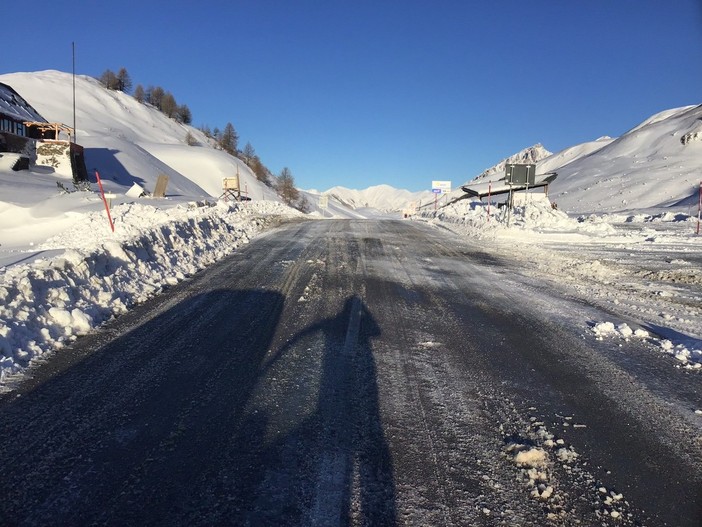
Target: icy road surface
[[354, 373]]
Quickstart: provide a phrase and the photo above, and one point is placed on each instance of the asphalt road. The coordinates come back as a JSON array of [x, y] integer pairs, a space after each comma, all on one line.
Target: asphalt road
[[353, 373]]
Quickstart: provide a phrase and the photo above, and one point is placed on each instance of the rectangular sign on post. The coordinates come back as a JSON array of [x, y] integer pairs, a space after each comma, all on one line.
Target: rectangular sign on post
[[520, 174], [230, 183], [323, 202], [441, 187]]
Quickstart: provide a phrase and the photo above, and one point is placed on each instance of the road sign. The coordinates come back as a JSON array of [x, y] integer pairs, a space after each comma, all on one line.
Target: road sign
[[323, 202], [441, 187], [517, 174]]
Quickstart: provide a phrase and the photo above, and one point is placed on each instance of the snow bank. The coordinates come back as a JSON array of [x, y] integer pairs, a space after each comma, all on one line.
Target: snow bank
[[532, 212], [97, 274]]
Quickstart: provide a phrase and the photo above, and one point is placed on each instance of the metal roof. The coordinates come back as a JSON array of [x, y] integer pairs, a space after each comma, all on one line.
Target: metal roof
[[15, 107], [493, 188]]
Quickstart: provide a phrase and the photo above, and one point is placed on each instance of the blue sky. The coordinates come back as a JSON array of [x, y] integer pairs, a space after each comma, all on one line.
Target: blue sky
[[399, 92]]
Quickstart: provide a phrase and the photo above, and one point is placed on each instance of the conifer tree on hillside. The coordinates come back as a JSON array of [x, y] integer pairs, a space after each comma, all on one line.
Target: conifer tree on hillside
[[248, 153], [262, 173], [183, 114], [230, 139], [154, 96], [124, 81], [168, 104], [286, 187], [109, 80], [139, 93], [190, 139]]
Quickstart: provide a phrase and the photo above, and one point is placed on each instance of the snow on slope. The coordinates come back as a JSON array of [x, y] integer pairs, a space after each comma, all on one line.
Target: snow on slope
[[555, 162], [130, 142], [533, 154], [207, 166], [647, 167], [110, 125]]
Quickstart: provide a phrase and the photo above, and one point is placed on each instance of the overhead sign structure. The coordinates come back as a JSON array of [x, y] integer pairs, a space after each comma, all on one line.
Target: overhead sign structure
[[441, 187]]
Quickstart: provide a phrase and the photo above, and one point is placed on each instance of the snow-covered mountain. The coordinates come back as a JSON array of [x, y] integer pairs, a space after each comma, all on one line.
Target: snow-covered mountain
[[381, 197], [530, 155], [657, 164]]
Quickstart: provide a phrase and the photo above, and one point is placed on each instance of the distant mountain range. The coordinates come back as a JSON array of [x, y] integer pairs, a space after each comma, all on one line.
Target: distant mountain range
[[657, 164]]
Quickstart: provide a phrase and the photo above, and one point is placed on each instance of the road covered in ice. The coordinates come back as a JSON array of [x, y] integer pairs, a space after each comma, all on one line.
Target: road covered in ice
[[357, 372]]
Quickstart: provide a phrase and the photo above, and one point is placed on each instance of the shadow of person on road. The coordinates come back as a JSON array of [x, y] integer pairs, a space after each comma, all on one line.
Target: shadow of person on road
[[206, 422], [333, 467]]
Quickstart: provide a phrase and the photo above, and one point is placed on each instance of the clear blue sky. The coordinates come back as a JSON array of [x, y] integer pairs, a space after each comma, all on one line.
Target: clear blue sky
[[358, 93]]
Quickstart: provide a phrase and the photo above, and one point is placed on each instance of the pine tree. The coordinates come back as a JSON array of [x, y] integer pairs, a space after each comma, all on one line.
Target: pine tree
[[168, 104], [286, 187], [155, 96], [248, 153], [124, 81], [183, 114], [139, 93], [230, 139], [109, 80]]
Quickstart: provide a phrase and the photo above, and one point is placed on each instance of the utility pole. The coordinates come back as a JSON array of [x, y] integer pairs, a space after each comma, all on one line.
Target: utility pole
[[75, 139]]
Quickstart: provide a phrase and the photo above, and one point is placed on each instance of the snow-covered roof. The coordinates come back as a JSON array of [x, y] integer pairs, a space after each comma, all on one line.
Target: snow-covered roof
[[14, 106]]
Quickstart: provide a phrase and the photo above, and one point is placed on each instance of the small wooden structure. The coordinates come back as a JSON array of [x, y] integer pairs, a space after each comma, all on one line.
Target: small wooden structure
[[50, 131], [231, 189], [161, 184]]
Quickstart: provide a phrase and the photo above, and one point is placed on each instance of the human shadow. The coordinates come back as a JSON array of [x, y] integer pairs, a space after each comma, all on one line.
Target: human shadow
[[127, 432], [196, 416], [332, 467]]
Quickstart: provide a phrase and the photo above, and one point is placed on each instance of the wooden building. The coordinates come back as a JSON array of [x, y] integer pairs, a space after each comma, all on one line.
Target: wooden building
[[24, 131]]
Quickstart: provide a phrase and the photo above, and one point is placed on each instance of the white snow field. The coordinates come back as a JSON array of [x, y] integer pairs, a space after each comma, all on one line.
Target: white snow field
[[623, 236]]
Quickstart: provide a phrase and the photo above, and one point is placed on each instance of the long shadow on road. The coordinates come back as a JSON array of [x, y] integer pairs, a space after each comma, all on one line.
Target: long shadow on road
[[172, 423]]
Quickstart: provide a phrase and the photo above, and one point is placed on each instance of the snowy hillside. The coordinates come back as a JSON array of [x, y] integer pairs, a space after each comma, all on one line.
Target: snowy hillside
[[129, 142], [530, 155], [657, 164]]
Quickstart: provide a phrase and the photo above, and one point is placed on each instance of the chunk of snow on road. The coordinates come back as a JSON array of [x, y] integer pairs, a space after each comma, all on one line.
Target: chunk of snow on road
[[689, 358], [609, 329], [533, 457]]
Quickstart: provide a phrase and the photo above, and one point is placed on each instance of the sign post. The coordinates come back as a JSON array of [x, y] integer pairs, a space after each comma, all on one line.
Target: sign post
[[324, 204], [699, 208], [440, 187], [489, 193]]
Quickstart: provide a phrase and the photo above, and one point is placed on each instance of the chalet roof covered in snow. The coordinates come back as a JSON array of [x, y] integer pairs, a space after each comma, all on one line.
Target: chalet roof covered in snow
[[15, 107]]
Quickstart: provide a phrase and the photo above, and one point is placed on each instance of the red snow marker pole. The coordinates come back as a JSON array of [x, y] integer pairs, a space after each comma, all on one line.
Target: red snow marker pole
[[699, 208], [107, 207]]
